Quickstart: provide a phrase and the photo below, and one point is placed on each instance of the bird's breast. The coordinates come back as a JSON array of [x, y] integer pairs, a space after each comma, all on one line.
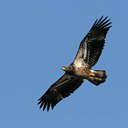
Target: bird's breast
[[79, 63]]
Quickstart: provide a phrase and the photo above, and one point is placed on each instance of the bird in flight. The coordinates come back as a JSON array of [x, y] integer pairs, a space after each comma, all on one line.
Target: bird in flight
[[87, 56]]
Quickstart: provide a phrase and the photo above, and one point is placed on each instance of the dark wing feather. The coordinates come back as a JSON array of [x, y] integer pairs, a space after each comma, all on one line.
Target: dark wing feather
[[62, 88], [91, 46]]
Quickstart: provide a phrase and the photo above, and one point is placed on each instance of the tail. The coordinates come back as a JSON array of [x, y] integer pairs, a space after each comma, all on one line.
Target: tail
[[97, 76]]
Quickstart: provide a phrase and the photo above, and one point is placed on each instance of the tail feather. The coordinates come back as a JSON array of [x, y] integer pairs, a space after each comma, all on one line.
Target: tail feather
[[97, 76]]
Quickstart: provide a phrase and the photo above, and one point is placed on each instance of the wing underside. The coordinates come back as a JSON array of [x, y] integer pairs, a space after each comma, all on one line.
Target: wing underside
[[66, 85], [91, 46]]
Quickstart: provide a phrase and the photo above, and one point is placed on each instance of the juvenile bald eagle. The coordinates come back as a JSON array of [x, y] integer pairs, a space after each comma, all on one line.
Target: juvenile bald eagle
[[88, 54]]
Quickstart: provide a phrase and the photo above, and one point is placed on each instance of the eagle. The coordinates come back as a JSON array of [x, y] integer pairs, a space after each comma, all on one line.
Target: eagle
[[87, 56]]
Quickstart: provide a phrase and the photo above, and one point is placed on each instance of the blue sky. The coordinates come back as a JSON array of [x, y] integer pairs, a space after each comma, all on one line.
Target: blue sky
[[40, 36]]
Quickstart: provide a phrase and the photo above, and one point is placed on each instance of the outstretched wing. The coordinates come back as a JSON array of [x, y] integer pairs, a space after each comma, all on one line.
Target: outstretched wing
[[91, 46], [62, 88]]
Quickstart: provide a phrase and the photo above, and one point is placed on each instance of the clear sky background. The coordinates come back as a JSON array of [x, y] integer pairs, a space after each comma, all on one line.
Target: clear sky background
[[37, 37]]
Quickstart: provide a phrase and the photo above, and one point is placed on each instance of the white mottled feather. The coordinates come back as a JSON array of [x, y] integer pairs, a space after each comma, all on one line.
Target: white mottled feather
[[85, 50], [79, 63]]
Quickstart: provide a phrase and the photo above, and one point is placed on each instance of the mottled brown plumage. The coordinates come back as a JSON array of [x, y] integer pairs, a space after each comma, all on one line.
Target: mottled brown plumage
[[88, 54]]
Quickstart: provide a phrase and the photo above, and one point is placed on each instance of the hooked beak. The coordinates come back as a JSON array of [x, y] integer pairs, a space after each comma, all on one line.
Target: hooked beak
[[63, 68]]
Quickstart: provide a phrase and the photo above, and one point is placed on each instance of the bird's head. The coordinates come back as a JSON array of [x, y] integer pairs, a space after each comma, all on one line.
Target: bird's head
[[67, 68]]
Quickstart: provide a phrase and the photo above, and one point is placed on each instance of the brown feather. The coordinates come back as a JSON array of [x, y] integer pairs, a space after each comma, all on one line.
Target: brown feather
[[91, 46], [62, 88]]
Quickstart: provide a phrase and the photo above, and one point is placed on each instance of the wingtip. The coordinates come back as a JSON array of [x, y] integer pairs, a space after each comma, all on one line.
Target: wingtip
[[45, 104], [102, 23]]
